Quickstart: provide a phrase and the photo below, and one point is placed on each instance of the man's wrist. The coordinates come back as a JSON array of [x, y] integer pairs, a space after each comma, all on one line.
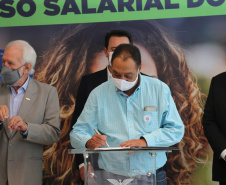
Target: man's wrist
[[26, 128], [82, 165], [142, 138], [24, 133], [87, 143]]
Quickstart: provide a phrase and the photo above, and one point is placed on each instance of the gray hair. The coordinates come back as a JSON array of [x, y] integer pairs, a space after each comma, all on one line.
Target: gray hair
[[29, 54]]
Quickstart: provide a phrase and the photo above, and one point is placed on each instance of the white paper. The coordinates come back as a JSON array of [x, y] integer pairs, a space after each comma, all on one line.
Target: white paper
[[112, 148]]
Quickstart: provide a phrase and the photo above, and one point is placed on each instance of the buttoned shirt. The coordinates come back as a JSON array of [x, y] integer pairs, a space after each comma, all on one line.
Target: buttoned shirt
[[122, 118], [16, 100]]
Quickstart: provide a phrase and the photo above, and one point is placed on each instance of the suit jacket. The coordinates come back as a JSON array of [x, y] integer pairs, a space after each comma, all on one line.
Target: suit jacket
[[214, 123], [21, 158], [88, 83]]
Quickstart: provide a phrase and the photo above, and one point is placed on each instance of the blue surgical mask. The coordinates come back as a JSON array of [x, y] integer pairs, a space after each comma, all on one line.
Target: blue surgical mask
[[10, 76]]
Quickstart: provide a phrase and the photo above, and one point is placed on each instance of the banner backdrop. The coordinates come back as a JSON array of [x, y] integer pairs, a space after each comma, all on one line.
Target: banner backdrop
[[30, 12], [187, 52]]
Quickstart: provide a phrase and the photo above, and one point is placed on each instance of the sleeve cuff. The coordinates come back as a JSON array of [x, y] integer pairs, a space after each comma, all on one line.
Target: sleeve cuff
[[81, 165], [76, 142], [223, 154], [24, 133], [150, 139]]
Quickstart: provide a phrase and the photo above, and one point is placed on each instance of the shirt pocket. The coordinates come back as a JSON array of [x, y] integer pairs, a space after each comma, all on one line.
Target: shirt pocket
[[149, 121]]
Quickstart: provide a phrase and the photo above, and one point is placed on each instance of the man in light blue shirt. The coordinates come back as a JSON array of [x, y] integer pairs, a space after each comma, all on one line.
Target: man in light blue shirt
[[129, 110]]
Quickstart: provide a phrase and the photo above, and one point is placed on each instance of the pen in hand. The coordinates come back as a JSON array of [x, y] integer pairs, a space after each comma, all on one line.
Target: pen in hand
[[100, 134]]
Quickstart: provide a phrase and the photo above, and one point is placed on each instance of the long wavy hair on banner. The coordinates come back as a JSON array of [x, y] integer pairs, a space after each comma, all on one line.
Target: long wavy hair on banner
[[67, 60]]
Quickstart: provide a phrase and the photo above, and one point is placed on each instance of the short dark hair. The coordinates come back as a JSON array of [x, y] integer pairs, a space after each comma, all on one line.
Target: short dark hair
[[118, 33], [126, 51]]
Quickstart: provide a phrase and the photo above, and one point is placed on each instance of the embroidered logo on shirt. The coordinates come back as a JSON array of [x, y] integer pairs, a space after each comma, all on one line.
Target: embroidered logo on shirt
[[147, 118]]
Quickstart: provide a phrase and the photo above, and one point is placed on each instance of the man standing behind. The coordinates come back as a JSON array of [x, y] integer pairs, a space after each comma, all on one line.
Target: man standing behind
[[112, 40], [29, 117], [214, 119], [89, 82], [130, 110]]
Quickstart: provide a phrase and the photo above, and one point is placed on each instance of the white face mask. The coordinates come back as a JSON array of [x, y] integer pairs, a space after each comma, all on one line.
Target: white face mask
[[109, 74], [124, 85], [110, 56]]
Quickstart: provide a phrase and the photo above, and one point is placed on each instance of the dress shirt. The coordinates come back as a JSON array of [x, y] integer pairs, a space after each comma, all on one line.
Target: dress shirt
[[16, 100], [109, 76], [122, 118]]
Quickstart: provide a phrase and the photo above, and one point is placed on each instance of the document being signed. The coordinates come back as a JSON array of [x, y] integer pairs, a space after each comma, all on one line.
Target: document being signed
[[112, 148]]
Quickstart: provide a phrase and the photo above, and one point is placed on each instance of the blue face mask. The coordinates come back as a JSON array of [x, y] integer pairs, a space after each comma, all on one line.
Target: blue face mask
[[10, 76]]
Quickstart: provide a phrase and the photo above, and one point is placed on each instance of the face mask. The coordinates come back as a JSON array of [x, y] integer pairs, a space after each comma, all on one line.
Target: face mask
[[109, 57], [10, 76], [124, 85], [109, 74]]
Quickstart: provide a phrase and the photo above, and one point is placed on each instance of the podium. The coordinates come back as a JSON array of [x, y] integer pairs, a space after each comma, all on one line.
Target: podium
[[121, 166]]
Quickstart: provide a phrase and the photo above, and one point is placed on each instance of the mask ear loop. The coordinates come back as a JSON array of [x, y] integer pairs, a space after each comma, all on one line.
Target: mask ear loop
[[19, 68], [109, 53]]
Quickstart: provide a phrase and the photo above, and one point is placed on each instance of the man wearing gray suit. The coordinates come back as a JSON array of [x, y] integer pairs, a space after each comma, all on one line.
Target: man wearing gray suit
[[29, 117]]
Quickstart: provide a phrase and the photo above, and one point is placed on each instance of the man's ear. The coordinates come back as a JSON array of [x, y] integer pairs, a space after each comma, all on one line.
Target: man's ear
[[27, 68], [106, 52], [139, 69]]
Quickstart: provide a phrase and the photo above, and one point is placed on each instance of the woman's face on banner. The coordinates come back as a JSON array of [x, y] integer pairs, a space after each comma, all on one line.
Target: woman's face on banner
[[148, 66]]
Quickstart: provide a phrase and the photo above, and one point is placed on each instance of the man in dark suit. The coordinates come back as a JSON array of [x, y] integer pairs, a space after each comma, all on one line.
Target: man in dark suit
[[214, 123], [91, 81]]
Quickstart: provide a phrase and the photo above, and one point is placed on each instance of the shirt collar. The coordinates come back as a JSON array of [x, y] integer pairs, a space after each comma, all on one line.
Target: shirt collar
[[26, 84], [24, 87]]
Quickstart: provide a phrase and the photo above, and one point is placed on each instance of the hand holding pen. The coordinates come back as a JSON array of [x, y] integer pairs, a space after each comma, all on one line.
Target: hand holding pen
[[100, 134], [97, 141]]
